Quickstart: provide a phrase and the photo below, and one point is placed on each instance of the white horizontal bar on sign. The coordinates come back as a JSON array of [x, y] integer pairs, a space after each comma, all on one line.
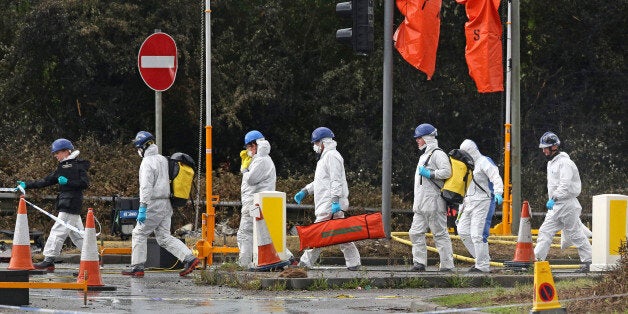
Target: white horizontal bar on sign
[[157, 62]]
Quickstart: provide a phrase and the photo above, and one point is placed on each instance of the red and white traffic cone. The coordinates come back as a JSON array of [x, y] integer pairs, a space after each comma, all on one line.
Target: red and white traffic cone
[[89, 254], [524, 253], [267, 257], [21, 252]]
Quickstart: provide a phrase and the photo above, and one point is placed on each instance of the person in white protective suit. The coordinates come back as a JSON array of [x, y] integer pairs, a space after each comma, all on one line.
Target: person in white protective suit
[[563, 208], [155, 212], [430, 209], [258, 174], [485, 191], [331, 194]]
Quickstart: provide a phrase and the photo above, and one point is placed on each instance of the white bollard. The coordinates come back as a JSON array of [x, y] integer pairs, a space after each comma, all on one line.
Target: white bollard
[[273, 207], [610, 228]]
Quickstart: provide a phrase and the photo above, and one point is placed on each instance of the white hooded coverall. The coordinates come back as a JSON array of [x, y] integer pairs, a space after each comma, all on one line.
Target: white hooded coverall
[[430, 209], [563, 186], [260, 176], [330, 183], [155, 193], [479, 206]]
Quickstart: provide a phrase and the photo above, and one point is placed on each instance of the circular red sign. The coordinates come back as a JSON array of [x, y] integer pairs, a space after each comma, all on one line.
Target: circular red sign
[[157, 61], [546, 292]]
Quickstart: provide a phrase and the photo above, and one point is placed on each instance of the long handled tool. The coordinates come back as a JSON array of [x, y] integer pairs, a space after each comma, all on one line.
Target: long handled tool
[[65, 224]]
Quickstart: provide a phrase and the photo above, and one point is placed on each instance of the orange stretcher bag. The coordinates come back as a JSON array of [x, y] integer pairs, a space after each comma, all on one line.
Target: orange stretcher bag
[[341, 230]]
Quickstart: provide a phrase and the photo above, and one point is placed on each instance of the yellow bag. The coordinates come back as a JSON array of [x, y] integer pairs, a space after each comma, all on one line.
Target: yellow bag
[[455, 188], [181, 173]]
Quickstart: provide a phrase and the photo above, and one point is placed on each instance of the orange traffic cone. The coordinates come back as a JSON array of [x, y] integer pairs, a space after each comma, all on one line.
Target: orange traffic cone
[[21, 251], [545, 295], [267, 257], [524, 253], [89, 254]]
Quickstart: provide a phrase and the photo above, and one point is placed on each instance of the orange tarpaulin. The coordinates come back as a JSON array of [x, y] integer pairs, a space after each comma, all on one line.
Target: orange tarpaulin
[[416, 39], [484, 44]]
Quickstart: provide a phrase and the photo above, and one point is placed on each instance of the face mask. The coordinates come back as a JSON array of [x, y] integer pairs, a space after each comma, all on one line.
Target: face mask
[[422, 147], [552, 154], [317, 149], [249, 153], [140, 152]]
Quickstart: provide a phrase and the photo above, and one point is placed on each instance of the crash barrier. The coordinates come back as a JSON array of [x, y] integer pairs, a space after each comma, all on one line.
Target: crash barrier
[[18, 295], [341, 230], [36, 237], [545, 295], [21, 250], [610, 228]]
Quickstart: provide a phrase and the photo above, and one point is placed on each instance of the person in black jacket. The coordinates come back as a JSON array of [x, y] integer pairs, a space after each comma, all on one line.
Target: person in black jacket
[[71, 176]]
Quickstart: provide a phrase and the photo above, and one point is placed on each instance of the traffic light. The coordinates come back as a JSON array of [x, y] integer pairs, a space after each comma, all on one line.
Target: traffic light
[[360, 36]]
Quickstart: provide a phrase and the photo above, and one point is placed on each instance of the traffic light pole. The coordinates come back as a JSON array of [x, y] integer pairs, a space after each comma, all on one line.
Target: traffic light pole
[[387, 114]]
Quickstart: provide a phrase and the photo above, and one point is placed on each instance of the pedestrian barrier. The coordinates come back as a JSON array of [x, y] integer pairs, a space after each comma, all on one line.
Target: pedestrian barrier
[[47, 285], [545, 295], [267, 257], [524, 253], [21, 251], [89, 269]]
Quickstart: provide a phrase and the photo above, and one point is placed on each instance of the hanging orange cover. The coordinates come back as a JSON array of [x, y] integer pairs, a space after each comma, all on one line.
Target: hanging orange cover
[[416, 39], [341, 230], [483, 52]]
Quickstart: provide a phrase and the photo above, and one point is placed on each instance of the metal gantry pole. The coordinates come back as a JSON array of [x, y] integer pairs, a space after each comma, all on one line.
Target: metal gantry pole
[[387, 115], [516, 117], [158, 115]]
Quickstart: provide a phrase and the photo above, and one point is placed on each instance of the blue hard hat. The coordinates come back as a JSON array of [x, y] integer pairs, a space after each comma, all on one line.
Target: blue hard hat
[[61, 144], [141, 138], [549, 139], [252, 136], [321, 133], [425, 129]]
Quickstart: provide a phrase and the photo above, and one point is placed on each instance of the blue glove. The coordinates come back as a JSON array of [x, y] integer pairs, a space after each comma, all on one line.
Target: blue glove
[[299, 196], [62, 180], [20, 184], [498, 199], [550, 204], [335, 207], [141, 215], [425, 172]]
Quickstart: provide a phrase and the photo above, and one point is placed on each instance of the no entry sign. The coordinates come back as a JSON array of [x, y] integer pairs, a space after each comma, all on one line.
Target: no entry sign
[[157, 61]]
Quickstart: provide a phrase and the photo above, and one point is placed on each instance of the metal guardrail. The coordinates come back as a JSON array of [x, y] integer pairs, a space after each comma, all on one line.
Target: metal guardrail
[[292, 207]]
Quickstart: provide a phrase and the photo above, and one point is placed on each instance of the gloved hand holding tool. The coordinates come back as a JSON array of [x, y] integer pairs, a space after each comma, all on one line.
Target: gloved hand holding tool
[[335, 207], [498, 199]]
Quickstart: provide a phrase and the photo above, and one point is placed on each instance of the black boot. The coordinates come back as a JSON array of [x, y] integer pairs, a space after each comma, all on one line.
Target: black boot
[[136, 271], [47, 264]]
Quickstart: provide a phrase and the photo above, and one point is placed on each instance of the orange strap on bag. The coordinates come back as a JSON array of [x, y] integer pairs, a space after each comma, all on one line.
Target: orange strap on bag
[[341, 230]]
